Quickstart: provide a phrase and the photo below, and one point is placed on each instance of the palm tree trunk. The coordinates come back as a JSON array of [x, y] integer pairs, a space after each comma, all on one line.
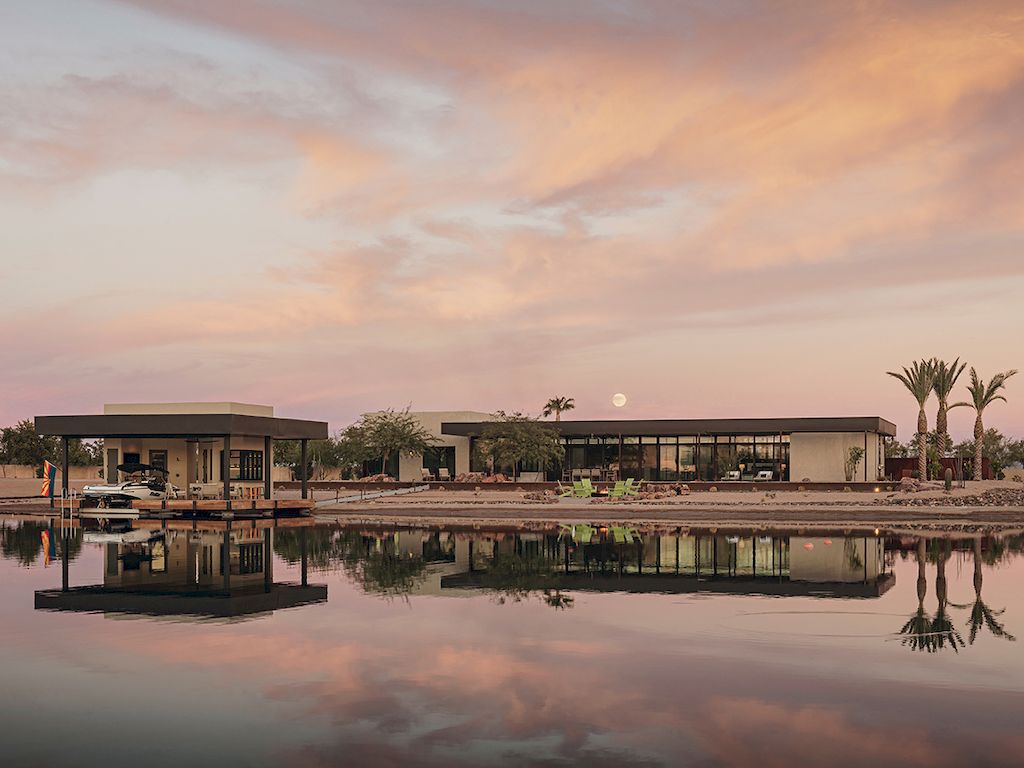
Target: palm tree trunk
[[922, 581], [558, 415], [941, 588], [977, 567], [941, 425], [922, 445], [979, 438]]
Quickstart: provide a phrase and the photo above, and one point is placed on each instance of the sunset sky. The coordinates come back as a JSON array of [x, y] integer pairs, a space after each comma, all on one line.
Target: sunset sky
[[719, 208]]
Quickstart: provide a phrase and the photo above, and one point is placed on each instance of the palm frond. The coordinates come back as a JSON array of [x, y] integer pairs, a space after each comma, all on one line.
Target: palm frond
[[919, 379], [983, 393], [946, 375]]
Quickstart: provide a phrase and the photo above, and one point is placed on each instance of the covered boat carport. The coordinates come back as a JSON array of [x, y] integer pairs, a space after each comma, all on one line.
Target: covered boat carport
[[189, 427]]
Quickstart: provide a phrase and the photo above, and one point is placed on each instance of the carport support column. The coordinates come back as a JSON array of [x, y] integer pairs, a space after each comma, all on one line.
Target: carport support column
[[64, 466], [225, 470], [268, 464], [304, 467]]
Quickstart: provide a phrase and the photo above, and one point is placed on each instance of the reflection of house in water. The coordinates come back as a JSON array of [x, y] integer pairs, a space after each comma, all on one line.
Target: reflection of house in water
[[622, 560], [213, 571]]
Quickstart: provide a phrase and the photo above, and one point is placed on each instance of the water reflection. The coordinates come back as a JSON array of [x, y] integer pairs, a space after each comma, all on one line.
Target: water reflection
[[179, 568], [30, 541], [551, 565], [516, 646], [516, 565], [981, 614]]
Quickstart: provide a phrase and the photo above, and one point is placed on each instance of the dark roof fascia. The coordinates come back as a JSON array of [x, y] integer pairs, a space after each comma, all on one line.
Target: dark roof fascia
[[699, 426], [187, 425], [683, 584]]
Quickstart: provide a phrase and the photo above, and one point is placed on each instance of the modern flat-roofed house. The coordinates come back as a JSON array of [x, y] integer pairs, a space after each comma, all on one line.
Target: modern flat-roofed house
[[204, 447], [684, 450]]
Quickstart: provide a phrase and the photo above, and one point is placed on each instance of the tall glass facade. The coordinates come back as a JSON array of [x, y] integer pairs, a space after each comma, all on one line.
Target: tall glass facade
[[675, 458]]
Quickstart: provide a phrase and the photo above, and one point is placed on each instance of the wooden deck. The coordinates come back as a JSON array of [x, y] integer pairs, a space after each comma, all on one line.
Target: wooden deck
[[268, 508]]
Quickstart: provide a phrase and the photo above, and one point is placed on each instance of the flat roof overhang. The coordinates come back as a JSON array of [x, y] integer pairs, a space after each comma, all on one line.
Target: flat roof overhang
[[181, 426], [683, 584], [668, 427], [99, 599]]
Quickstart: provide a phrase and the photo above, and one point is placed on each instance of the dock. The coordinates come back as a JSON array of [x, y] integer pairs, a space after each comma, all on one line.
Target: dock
[[171, 508]]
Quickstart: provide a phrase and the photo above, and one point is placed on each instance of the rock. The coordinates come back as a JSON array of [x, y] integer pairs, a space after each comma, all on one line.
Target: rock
[[713, 489]]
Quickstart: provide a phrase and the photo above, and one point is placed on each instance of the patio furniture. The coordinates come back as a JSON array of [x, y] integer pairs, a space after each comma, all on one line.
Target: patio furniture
[[633, 489], [733, 474], [618, 491], [764, 474], [443, 474], [205, 490], [426, 475], [566, 491]]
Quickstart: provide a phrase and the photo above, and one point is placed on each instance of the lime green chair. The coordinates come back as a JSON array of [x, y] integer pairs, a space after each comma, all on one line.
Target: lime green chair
[[619, 491]]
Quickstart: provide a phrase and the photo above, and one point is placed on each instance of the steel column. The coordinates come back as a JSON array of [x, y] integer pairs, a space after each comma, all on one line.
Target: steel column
[[304, 468], [268, 464], [64, 466], [225, 470]]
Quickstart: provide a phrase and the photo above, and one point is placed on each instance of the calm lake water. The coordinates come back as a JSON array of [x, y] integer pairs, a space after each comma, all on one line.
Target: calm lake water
[[468, 647]]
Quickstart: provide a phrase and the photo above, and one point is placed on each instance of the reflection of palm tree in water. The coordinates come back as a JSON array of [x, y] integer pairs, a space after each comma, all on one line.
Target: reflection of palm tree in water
[[918, 629], [981, 614], [943, 631]]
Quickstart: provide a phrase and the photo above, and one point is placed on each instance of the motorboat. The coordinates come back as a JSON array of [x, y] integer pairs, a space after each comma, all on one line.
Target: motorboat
[[132, 536], [143, 483]]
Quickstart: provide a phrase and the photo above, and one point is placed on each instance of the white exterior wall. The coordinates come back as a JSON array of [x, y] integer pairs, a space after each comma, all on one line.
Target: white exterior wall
[[821, 456], [839, 560], [177, 454], [178, 409], [409, 466]]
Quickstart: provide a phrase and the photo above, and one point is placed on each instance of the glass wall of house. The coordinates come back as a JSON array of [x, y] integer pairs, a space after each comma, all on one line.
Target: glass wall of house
[[439, 456], [374, 466], [674, 458]]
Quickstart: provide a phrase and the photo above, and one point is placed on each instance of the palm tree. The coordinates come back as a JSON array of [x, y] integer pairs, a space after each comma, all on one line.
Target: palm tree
[[918, 628], [981, 614], [943, 630], [557, 405], [945, 379], [918, 379], [982, 396]]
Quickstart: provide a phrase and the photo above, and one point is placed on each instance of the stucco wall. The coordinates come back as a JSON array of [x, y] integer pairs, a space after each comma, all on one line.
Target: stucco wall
[[836, 560], [28, 472], [409, 467], [821, 456], [149, 409], [177, 454]]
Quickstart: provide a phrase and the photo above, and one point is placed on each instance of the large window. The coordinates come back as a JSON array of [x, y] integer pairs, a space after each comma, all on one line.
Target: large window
[[439, 456], [158, 460], [245, 466], [685, 458]]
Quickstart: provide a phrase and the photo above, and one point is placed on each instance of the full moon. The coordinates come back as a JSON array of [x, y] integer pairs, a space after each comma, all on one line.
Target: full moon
[[618, 399]]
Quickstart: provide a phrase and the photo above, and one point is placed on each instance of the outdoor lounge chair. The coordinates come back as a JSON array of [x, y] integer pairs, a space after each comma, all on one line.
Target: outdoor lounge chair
[[426, 475], [564, 492], [764, 474], [633, 486], [583, 489], [618, 491], [733, 474], [444, 474]]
